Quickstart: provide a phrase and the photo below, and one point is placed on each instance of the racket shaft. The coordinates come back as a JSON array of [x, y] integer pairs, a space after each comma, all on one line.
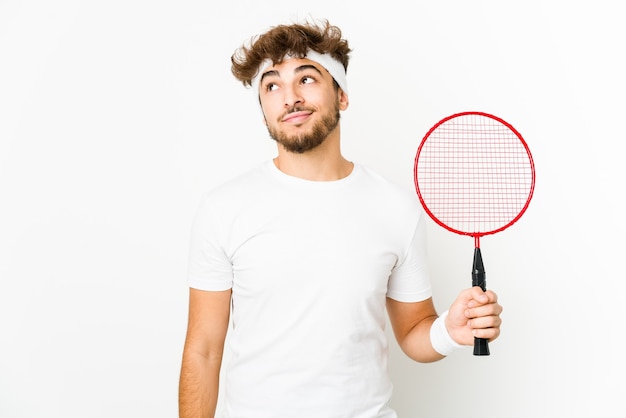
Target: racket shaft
[[481, 345]]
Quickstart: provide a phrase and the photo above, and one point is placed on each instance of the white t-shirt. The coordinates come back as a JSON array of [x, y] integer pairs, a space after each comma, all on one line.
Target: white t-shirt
[[310, 265]]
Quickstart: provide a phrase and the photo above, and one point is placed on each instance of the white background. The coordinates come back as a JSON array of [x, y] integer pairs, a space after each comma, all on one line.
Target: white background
[[116, 116]]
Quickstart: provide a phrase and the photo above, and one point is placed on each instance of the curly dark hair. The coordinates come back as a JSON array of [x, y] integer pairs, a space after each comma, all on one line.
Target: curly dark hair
[[296, 40]]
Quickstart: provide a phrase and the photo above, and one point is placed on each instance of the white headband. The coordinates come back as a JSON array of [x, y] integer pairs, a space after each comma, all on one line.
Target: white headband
[[334, 67]]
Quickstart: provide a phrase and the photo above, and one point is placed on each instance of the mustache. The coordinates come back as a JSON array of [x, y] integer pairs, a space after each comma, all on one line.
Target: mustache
[[294, 109]]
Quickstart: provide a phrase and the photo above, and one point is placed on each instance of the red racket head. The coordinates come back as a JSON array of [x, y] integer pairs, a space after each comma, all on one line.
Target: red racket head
[[474, 174]]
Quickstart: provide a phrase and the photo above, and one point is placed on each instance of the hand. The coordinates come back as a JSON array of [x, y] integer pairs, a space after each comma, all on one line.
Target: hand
[[474, 313]]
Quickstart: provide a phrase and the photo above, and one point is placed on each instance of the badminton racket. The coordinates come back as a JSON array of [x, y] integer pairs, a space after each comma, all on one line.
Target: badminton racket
[[475, 176]]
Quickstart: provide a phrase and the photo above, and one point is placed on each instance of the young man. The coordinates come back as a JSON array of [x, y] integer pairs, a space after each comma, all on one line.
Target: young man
[[308, 252]]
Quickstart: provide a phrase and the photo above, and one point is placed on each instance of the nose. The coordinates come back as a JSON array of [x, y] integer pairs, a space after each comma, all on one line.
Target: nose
[[292, 96]]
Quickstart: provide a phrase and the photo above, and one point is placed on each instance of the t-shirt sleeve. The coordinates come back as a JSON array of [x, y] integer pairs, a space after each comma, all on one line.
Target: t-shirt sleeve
[[209, 267], [409, 280]]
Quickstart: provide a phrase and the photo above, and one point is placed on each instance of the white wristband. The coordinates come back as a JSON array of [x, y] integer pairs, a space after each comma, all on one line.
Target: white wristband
[[440, 339]]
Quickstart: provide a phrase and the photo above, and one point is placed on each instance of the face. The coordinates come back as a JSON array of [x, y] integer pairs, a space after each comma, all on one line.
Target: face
[[300, 103]]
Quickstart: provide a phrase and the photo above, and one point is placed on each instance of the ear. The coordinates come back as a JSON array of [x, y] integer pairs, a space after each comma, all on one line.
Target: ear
[[343, 99], [262, 113]]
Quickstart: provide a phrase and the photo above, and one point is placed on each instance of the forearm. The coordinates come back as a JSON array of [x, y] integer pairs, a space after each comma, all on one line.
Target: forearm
[[411, 324], [202, 356], [416, 343], [198, 386]]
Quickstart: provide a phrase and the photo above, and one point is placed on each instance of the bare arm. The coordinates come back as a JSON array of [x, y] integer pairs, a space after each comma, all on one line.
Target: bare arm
[[209, 313], [411, 324]]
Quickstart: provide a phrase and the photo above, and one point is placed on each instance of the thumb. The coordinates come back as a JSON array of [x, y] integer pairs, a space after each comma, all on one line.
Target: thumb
[[468, 298]]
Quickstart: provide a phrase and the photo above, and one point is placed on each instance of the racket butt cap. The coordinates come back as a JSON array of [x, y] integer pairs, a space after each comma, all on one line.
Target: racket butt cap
[[481, 347]]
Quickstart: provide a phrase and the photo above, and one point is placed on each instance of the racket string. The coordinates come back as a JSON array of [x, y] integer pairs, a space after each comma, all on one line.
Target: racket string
[[474, 174]]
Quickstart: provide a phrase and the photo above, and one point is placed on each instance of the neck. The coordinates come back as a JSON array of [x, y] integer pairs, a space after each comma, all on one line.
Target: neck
[[324, 163]]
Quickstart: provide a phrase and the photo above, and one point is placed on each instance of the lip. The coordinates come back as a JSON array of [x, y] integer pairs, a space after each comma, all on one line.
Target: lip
[[297, 117]]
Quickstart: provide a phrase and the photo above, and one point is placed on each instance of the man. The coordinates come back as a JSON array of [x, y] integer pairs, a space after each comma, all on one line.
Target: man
[[308, 251]]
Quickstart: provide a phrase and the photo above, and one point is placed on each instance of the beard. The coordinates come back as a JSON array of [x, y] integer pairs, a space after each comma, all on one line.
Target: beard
[[306, 141]]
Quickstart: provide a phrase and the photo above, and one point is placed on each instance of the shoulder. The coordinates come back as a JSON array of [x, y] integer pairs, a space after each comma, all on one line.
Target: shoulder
[[220, 206], [387, 190], [239, 189]]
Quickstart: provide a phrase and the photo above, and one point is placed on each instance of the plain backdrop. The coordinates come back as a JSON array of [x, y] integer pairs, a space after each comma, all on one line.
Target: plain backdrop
[[116, 116]]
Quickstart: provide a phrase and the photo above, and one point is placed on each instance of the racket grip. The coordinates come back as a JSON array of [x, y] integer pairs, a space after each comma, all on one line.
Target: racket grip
[[481, 345]]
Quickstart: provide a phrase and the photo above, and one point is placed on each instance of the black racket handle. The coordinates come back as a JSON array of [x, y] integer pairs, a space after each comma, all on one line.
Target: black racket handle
[[481, 345]]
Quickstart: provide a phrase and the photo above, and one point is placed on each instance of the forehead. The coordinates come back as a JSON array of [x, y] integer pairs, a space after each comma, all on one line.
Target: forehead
[[291, 66]]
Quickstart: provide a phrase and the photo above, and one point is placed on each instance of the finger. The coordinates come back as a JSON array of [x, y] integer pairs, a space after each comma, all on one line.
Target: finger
[[489, 334], [484, 322], [491, 295], [480, 297], [467, 295], [490, 309]]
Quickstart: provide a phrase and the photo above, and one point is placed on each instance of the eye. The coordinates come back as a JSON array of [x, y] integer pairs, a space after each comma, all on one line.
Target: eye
[[307, 79], [271, 86]]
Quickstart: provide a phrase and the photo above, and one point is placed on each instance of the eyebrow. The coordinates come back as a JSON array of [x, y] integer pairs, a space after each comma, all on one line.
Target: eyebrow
[[296, 70]]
